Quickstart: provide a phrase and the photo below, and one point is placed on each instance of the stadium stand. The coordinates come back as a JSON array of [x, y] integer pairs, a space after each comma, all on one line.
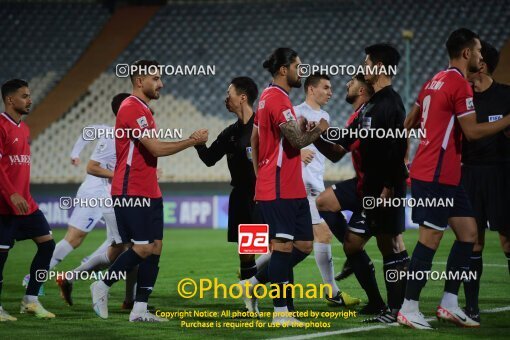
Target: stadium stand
[[236, 39], [59, 32]]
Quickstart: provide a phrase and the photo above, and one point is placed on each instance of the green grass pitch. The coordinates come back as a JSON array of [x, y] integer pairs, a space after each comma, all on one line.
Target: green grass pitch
[[206, 254]]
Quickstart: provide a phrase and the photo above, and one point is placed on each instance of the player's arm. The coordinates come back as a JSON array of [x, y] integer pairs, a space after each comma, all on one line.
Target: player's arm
[[474, 130], [78, 147], [298, 137], [94, 168], [161, 149], [412, 120], [254, 140], [333, 152], [211, 155]]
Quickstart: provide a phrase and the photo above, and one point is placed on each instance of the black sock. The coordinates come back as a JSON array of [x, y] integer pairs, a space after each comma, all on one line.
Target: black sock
[[472, 287], [336, 223], [508, 260], [364, 271], [278, 270], [421, 261], [297, 257], [248, 269], [390, 263], [41, 261], [147, 274], [3, 258], [263, 274], [123, 264], [403, 266], [458, 264]]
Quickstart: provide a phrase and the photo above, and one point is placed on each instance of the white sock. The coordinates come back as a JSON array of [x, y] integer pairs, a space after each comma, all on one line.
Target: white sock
[[262, 260], [281, 309], [30, 299], [62, 249], [410, 306], [324, 260], [139, 307], [253, 280], [102, 248], [97, 262], [449, 300], [101, 285]]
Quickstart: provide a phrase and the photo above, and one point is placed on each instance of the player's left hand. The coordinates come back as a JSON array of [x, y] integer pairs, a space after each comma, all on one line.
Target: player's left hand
[[387, 193], [307, 156]]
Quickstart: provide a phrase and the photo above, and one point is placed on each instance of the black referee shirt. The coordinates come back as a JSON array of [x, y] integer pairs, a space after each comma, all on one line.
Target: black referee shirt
[[490, 105], [235, 142]]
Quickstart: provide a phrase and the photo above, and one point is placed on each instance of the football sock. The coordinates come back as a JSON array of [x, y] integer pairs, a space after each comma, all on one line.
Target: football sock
[[324, 260], [421, 261], [41, 262], [146, 279], [123, 264], [62, 249], [472, 287]]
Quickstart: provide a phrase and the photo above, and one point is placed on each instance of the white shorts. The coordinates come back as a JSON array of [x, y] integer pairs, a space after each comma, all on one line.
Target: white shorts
[[112, 231], [314, 185], [84, 218]]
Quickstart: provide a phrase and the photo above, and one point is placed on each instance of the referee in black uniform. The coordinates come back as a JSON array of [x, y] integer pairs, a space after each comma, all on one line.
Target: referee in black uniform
[[384, 176], [485, 170], [234, 142]]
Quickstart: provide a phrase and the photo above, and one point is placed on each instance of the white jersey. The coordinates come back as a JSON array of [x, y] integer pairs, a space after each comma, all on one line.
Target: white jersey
[[313, 173], [104, 153], [317, 166]]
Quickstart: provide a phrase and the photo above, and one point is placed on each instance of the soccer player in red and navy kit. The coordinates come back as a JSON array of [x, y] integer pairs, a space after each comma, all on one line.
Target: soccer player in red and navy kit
[[277, 138], [135, 177], [444, 110], [20, 217]]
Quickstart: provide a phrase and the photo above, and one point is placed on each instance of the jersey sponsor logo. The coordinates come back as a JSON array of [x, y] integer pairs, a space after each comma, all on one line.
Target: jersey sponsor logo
[[262, 103], [142, 122], [15, 140], [494, 118], [253, 238], [101, 147], [288, 115], [19, 159], [469, 103], [367, 123], [248, 153]]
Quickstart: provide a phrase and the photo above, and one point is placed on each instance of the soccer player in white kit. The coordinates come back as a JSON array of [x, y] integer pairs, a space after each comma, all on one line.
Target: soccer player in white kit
[[318, 92]]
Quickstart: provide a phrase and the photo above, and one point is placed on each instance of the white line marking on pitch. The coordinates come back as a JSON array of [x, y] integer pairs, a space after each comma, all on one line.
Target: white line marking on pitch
[[439, 263], [370, 328]]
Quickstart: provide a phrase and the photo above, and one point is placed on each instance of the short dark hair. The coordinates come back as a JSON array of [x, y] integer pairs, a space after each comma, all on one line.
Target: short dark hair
[[246, 85], [117, 100], [142, 68], [282, 56], [11, 86], [385, 53], [490, 56], [314, 80], [361, 78], [458, 40]]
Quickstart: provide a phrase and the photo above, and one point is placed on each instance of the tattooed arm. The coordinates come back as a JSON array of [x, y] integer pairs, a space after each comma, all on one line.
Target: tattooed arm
[[299, 138]]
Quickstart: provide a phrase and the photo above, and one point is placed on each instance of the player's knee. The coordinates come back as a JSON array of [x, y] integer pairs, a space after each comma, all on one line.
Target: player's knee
[[323, 235], [282, 245], [246, 258], [323, 203], [304, 246], [144, 250]]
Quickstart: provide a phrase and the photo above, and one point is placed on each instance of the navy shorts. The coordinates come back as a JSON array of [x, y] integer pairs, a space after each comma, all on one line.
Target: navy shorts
[[22, 227], [288, 219], [241, 210], [485, 187], [436, 217], [347, 195], [140, 225]]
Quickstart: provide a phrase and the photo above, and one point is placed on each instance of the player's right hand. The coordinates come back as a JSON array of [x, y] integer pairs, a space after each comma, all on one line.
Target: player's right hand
[[20, 203], [75, 161], [200, 136], [307, 156], [323, 125]]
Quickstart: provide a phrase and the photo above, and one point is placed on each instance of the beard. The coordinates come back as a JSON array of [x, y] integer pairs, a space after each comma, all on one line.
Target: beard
[[294, 82], [152, 94], [351, 98], [473, 68], [23, 111]]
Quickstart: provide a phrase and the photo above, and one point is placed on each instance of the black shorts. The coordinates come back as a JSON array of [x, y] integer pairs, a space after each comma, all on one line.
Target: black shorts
[[347, 195], [140, 225], [241, 210], [386, 220], [485, 187], [22, 227], [288, 219], [436, 217]]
